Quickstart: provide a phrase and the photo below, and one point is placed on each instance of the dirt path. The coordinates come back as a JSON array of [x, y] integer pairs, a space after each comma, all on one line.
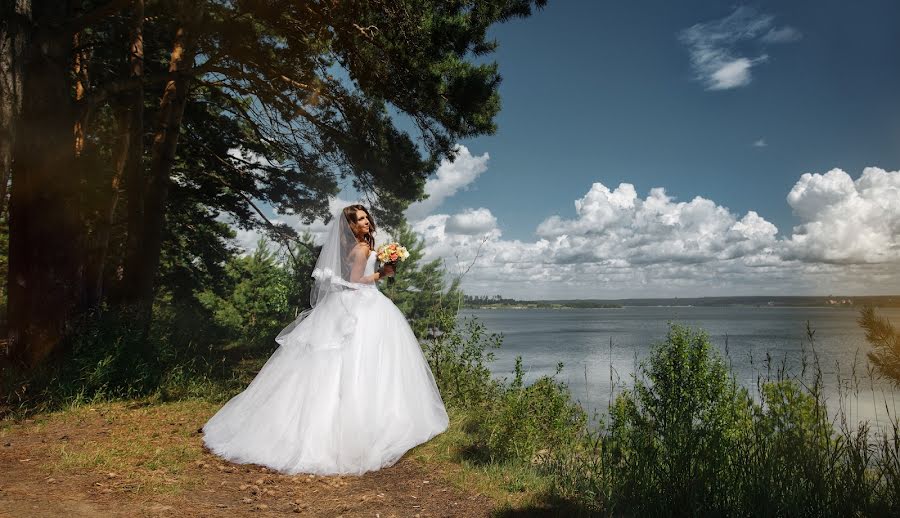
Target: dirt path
[[116, 460]]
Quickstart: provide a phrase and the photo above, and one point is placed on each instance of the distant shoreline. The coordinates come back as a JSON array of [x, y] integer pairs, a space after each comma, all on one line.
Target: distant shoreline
[[539, 306], [831, 301]]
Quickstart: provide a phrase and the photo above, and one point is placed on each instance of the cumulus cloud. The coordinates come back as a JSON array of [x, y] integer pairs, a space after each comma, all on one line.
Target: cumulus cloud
[[472, 221], [714, 46], [656, 229], [450, 178], [618, 241], [621, 244], [846, 221]]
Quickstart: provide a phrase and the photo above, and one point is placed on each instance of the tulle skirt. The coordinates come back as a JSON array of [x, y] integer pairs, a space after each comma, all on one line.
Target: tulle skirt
[[338, 396]]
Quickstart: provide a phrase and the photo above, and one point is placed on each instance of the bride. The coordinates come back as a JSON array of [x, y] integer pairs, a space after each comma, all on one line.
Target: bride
[[348, 389]]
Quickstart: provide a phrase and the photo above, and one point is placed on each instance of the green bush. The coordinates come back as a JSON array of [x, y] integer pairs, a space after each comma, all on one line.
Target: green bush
[[510, 421], [458, 359], [257, 301], [109, 355], [419, 289], [686, 441], [525, 420], [666, 433]]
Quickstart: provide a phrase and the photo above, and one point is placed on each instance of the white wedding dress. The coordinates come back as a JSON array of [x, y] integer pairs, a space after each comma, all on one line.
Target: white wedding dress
[[338, 396]]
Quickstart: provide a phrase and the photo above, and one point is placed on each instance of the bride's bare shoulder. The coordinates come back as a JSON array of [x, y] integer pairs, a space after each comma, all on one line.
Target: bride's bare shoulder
[[361, 248]]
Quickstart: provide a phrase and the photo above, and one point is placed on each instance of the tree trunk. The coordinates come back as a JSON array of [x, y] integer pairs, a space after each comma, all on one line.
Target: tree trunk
[[80, 71], [128, 154], [81, 124], [12, 40], [44, 281], [141, 269]]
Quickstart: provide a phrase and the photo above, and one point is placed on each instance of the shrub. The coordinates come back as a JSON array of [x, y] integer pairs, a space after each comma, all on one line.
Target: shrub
[[670, 434], [524, 420], [686, 441], [458, 359], [510, 421]]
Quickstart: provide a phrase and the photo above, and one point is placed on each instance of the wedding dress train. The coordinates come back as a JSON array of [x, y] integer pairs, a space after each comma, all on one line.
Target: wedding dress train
[[339, 396]]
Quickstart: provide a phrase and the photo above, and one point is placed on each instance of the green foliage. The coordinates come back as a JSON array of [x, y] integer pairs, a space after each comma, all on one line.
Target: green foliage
[[511, 421], [309, 92], [109, 357], [458, 359], [202, 308], [686, 411], [283, 104], [257, 301], [195, 249], [686, 442], [787, 466], [885, 342], [420, 290], [524, 420], [4, 263]]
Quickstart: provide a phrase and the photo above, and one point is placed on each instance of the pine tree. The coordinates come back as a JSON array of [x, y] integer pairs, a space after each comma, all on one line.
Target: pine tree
[[128, 108], [885, 342]]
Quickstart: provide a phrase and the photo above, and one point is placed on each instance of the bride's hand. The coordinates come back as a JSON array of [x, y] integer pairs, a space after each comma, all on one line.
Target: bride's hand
[[387, 270]]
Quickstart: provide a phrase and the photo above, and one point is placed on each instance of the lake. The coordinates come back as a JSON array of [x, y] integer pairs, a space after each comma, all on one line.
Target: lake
[[601, 348]]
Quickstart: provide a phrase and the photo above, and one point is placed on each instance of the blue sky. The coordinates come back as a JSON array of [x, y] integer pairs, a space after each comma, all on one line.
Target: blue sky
[[604, 91], [662, 149]]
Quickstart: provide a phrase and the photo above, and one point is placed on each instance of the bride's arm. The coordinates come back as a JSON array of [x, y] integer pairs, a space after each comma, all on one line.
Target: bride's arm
[[359, 256]]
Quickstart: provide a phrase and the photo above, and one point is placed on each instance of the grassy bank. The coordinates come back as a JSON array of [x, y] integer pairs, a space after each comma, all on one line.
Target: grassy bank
[[684, 440]]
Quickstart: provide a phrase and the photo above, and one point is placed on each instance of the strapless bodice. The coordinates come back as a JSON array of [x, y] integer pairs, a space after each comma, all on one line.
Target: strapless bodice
[[370, 264]]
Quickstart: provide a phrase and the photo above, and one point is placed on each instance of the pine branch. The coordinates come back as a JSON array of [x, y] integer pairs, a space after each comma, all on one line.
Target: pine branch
[[90, 18]]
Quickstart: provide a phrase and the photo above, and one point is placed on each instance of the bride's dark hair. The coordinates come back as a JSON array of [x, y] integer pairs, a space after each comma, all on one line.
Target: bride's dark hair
[[350, 214]]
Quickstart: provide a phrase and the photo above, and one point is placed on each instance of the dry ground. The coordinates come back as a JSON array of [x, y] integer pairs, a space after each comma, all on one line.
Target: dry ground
[[119, 459]]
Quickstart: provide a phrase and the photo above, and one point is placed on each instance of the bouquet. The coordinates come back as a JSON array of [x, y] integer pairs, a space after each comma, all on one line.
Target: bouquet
[[391, 253]]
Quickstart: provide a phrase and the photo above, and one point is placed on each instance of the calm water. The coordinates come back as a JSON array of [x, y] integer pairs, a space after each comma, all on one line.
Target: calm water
[[601, 348]]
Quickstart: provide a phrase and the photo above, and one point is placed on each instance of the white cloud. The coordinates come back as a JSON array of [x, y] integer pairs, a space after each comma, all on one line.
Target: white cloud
[[846, 221], [760, 143], [713, 46], [782, 35], [618, 225], [248, 239], [450, 178], [620, 244], [734, 73], [471, 222]]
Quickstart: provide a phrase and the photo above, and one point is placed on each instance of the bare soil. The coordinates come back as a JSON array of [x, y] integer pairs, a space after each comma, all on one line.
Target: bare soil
[[130, 460]]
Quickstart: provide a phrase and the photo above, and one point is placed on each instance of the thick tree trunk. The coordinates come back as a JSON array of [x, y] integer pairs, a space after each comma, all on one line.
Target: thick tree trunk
[[128, 154], [12, 40], [143, 264], [44, 281]]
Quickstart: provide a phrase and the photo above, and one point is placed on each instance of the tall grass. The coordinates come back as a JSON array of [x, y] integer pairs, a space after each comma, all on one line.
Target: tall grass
[[108, 357]]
